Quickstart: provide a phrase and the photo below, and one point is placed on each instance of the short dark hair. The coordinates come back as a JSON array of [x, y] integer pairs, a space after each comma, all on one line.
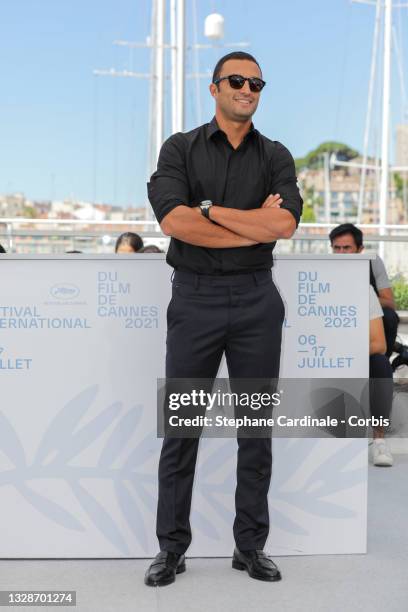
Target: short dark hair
[[238, 55], [2, 249], [347, 228], [150, 248], [134, 240]]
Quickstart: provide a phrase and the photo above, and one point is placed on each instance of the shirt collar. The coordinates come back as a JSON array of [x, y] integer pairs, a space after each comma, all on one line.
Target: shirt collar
[[213, 128]]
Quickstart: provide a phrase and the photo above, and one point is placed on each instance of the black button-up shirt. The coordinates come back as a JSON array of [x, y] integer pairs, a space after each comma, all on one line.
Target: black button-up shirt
[[203, 165]]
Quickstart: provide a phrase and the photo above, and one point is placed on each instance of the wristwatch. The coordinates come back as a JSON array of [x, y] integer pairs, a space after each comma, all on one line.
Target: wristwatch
[[205, 206]]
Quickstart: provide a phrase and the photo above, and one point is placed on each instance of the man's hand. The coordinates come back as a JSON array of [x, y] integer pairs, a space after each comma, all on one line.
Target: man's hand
[[186, 225], [256, 225], [272, 201]]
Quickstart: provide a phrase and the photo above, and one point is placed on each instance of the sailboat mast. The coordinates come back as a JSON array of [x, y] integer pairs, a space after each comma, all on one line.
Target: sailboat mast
[[173, 52], [384, 184], [181, 10], [159, 69], [378, 11]]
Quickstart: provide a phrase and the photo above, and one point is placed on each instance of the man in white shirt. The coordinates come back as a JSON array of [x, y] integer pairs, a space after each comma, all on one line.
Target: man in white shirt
[[347, 238]]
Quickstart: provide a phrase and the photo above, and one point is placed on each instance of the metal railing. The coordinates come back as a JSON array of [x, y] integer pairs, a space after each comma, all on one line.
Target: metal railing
[[21, 235]]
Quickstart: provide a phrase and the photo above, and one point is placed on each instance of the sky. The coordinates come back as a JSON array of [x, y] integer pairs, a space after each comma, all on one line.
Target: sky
[[66, 133]]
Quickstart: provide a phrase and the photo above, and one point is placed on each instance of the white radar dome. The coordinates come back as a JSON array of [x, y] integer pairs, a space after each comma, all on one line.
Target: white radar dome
[[214, 26]]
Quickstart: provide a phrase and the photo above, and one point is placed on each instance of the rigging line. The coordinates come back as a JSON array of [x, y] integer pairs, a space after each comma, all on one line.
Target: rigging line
[[190, 106], [130, 59], [377, 122], [132, 136], [399, 48], [374, 54], [152, 97], [404, 113], [95, 139], [115, 132], [196, 62], [346, 37], [133, 176], [400, 72]]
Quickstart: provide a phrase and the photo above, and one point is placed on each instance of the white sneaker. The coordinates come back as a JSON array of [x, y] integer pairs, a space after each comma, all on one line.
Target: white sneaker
[[381, 454]]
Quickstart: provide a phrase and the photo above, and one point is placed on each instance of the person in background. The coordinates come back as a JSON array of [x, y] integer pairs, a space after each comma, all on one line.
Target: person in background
[[380, 383], [129, 242], [2, 249], [380, 371], [150, 248], [347, 239]]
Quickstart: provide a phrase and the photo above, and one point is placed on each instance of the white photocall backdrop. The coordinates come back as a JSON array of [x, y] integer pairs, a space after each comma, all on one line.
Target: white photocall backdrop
[[82, 343]]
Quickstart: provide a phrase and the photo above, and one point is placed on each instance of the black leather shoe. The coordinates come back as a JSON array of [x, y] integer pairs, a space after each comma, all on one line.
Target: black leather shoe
[[257, 564], [164, 568]]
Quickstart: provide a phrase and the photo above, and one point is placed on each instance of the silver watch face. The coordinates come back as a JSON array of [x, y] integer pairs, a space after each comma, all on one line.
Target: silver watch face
[[206, 203]]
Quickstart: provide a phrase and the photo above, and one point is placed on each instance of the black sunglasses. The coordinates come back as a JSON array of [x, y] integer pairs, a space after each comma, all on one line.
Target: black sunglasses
[[237, 81]]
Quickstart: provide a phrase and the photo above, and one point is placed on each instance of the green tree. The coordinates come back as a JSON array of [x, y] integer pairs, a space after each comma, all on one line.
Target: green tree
[[399, 185], [29, 212], [310, 201], [400, 290], [313, 159], [308, 215]]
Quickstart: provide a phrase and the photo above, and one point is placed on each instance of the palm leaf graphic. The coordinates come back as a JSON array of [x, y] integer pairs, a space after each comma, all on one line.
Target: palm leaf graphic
[[213, 498], [335, 464], [283, 522], [318, 507], [50, 509], [328, 477], [64, 423], [281, 478], [131, 513], [120, 436], [145, 450], [10, 443], [218, 456], [138, 484], [71, 447], [100, 518], [205, 526]]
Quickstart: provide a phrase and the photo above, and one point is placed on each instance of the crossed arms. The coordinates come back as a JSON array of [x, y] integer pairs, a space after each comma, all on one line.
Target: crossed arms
[[229, 227], [232, 227]]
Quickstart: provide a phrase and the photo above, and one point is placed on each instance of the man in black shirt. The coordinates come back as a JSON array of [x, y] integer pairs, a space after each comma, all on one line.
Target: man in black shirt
[[224, 193]]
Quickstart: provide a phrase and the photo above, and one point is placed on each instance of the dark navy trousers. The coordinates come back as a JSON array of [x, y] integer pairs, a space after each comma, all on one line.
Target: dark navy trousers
[[240, 315], [391, 321]]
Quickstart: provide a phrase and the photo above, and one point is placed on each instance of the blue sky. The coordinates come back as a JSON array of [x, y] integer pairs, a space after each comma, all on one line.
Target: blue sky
[[65, 132]]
